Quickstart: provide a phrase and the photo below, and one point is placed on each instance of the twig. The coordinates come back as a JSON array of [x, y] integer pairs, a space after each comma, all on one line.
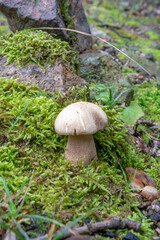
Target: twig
[[101, 39], [113, 223], [154, 138], [150, 123]]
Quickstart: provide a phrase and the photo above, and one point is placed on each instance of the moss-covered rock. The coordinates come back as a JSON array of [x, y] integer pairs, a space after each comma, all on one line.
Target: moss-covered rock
[[27, 47]]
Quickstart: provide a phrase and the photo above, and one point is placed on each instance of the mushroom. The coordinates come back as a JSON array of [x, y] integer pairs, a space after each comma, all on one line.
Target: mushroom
[[80, 121]]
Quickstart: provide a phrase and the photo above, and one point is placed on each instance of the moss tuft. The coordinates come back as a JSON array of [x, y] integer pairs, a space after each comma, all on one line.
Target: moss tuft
[[57, 185], [27, 47]]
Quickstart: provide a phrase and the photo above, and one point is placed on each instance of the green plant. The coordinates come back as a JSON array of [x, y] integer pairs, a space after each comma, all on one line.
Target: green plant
[[107, 94], [132, 113], [33, 46], [128, 183], [13, 214], [11, 220], [57, 185]]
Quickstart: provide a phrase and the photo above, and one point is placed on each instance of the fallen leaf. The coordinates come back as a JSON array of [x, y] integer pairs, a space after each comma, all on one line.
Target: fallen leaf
[[140, 178], [132, 113]]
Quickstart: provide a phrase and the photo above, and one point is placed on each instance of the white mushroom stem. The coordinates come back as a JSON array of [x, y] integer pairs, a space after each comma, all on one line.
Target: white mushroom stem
[[81, 147]]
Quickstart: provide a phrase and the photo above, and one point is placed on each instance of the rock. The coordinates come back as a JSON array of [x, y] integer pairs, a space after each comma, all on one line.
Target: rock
[[55, 78], [98, 67], [130, 236], [98, 33], [149, 56], [156, 46], [80, 20], [45, 13], [150, 193], [155, 217], [153, 208], [32, 14]]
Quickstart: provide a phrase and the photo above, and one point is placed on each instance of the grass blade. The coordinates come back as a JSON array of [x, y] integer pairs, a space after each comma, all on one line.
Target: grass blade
[[122, 94], [46, 219], [5, 187], [7, 227], [46, 95], [60, 234], [11, 206], [21, 230], [19, 209]]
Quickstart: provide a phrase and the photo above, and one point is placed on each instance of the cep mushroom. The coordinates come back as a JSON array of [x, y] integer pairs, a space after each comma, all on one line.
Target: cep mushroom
[[80, 121]]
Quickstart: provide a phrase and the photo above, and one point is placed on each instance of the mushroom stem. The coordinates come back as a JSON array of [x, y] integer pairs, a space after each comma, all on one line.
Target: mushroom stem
[[81, 147]]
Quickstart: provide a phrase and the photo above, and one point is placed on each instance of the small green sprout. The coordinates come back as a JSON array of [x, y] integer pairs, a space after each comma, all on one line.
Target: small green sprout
[[107, 94]]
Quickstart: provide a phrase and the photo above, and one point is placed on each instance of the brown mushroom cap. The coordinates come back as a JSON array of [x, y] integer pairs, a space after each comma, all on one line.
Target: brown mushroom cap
[[81, 118]]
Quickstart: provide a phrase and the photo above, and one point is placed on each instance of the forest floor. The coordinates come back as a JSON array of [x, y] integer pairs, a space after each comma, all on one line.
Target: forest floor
[[36, 178]]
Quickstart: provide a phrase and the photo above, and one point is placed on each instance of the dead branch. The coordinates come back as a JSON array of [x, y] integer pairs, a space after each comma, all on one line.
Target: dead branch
[[153, 138], [113, 223], [149, 123]]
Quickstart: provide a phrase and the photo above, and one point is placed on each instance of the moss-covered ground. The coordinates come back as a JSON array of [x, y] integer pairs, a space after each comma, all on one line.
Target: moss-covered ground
[[29, 145]]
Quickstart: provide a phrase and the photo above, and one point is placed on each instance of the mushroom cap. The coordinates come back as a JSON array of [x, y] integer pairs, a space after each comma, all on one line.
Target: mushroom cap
[[80, 118]]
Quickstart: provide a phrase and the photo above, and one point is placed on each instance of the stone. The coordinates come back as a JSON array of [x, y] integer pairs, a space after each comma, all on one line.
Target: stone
[[99, 67], [150, 193], [155, 217], [130, 236], [80, 20], [149, 56], [55, 78], [24, 14]]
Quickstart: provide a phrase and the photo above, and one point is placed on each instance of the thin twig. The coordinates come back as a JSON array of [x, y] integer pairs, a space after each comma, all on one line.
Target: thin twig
[[101, 39], [154, 138], [113, 223]]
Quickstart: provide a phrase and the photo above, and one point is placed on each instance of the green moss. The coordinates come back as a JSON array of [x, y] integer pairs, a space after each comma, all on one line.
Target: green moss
[[155, 52], [153, 36], [127, 70], [3, 30], [107, 5], [57, 185], [27, 47], [125, 34], [69, 21], [111, 16], [132, 23], [4, 26], [148, 95]]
